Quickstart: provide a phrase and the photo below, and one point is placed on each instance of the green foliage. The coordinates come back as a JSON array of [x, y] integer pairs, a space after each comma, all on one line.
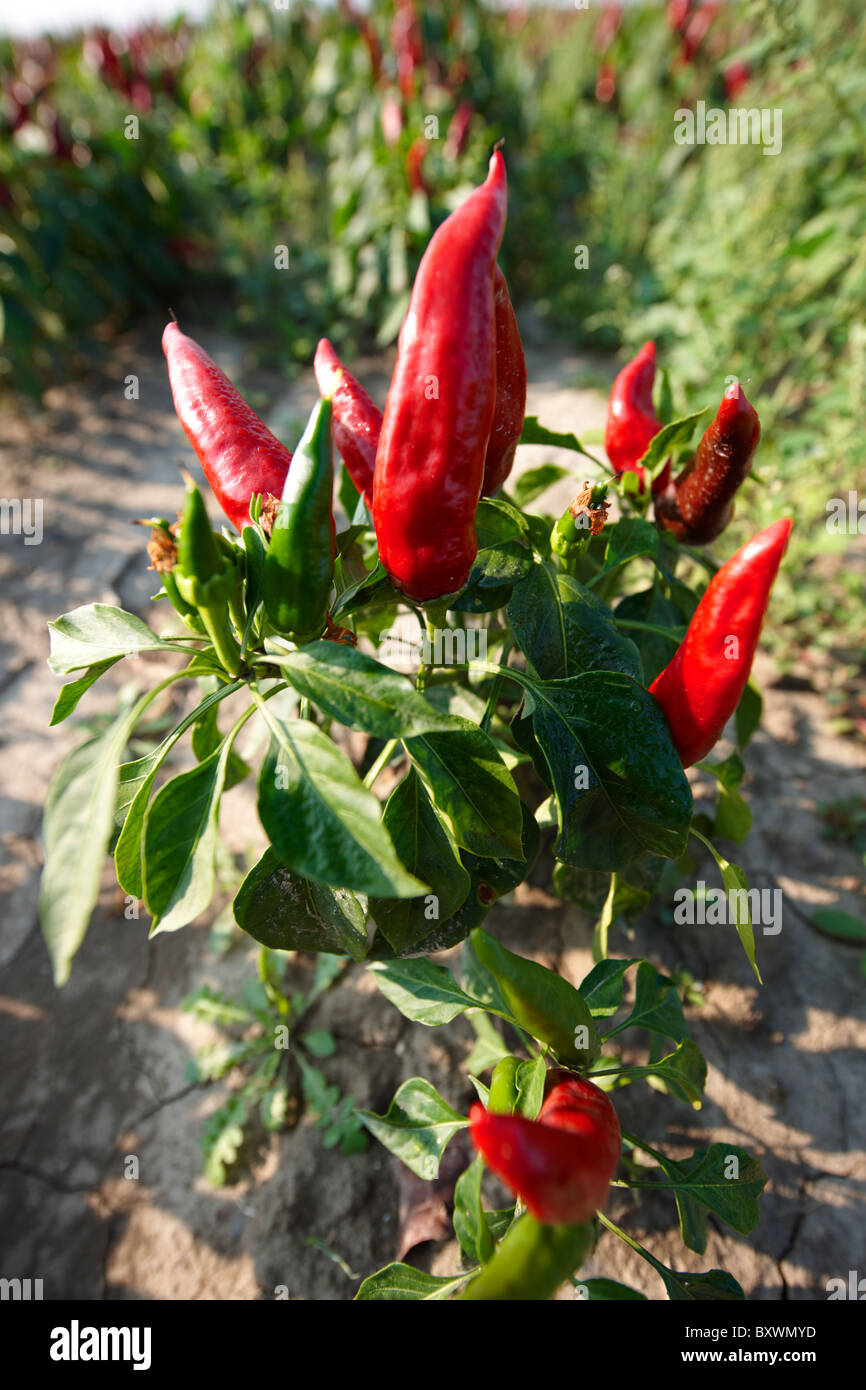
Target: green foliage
[[266, 1075]]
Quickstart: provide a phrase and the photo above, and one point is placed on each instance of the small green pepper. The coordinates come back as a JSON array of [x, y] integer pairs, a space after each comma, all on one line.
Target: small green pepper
[[207, 578], [580, 521], [503, 1086], [299, 565], [532, 1260]]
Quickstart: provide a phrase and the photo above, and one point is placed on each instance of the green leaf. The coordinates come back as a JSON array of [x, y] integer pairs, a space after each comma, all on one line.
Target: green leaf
[[563, 629], [651, 606], [657, 1006], [424, 992], [716, 1286], [530, 1087], [180, 840], [626, 540], [319, 1043], [535, 481], [79, 815], [602, 988], [322, 821], [504, 552], [96, 633], [403, 1282], [426, 850], [416, 1127], [489, 880], [471, 785], [619, 783], [360, 692], [72, 691], [733, 817], [489, 1047], [663, 397], [373, 590], [133, 794], [539, 1001], [470, 1221], [840, 925], [535, 433], [206, 738], [701, 1184], [608, 1291], [681, 1073], [748, 714], [671, 436], [286, 912], [735, 881]]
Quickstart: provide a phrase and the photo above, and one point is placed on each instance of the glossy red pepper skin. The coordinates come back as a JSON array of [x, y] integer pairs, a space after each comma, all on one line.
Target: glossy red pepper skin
[[631, 418], [701, 687], [238, 453], [439, 411], [356, 420], [698, 505], [510, 406], [561, 1164]]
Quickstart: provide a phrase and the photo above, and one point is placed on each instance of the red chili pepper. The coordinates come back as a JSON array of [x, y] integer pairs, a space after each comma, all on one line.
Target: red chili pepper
[[631, 418], [238, 453], [678, 12], [357, 421], [415, 156], [458, 130], [406, 43], [701, 687], [510, 406], [698, 505], [697, 28], [608, 25], [439, 412], [561, 1164], [736, 77]]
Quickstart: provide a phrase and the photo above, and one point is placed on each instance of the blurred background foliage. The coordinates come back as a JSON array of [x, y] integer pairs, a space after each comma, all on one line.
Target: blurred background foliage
[[168, 165]]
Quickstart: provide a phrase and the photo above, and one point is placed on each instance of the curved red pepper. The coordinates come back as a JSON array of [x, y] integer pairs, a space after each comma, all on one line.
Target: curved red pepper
[[510, 406], [439, 412], [631, 418], [237, 451], [701, 687], [356, 420], [699, 504], [561, 1164]]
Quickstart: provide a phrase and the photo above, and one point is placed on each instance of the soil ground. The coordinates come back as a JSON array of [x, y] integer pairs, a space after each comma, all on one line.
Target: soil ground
[[96, 1073]]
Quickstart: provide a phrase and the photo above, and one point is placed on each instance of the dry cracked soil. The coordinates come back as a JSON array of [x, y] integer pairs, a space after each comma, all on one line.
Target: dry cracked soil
[[96, 1075]]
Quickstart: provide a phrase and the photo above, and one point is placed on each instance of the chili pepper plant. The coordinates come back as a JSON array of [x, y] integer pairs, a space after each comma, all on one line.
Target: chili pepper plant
[[567, 671]]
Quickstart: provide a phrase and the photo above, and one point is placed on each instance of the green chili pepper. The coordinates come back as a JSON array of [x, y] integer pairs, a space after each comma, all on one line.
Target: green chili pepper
[[179, 604], [299, 566], [207, 578], [503, 1086], [540, 1001], [532, 1260]]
